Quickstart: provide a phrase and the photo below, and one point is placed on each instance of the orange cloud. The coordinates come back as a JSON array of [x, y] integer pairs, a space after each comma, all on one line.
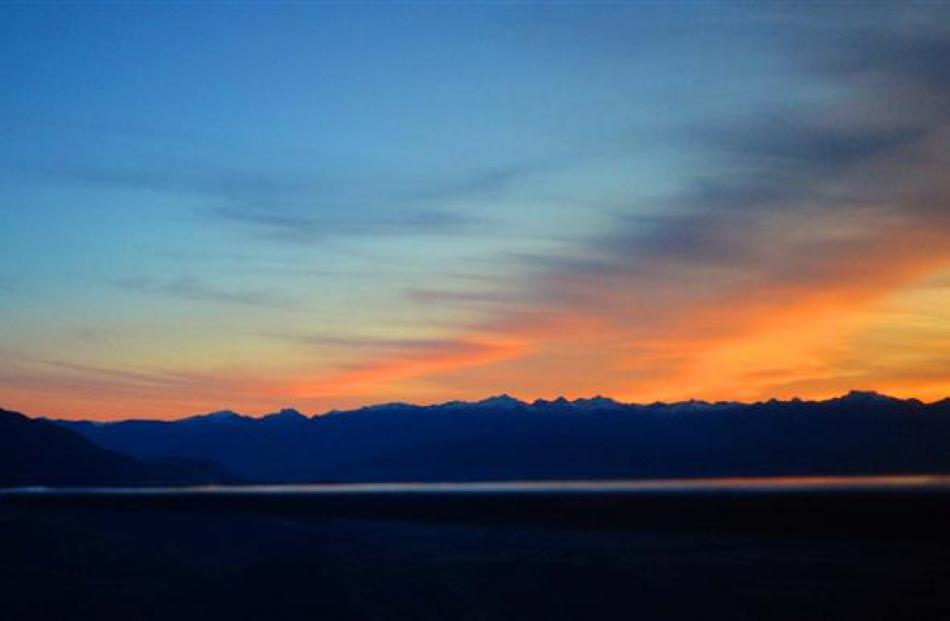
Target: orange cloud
[[744, 339], [379, 374]]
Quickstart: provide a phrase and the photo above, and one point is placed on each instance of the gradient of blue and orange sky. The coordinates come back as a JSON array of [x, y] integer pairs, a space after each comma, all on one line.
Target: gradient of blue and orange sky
[[240, 205]]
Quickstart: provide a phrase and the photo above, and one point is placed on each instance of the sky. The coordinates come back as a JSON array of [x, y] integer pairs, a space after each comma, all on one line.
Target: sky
[[324, 205]]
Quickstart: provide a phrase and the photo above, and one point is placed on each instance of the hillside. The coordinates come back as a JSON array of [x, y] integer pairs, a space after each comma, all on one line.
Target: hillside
[[38, 452]]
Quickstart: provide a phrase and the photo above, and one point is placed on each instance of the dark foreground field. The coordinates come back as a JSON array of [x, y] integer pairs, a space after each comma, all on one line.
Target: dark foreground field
[[799, 554]]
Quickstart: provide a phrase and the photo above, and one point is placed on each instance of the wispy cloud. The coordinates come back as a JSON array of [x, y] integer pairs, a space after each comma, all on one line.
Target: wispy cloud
[[278, 205], [362, 344], [301, 225], [399, 362], [179, 177], [189, 288], [464, 299], [96, 391]]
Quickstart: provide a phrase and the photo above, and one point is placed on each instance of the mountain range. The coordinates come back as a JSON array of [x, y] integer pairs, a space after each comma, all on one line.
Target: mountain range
[[502, 438]]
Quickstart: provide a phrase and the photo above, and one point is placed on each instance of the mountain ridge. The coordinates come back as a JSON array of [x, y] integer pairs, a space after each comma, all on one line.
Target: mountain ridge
[[513, 402], [501, 438]]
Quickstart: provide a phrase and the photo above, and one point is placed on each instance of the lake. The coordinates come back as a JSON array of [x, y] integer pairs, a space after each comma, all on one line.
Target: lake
[[722, 549]]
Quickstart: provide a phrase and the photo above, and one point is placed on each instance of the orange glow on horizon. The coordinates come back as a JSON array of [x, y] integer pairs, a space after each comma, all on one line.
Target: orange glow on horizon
[[856, 325]]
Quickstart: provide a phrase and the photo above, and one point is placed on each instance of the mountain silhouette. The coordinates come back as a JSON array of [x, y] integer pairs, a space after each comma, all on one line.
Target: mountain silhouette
[[502, 438], [38, 452]]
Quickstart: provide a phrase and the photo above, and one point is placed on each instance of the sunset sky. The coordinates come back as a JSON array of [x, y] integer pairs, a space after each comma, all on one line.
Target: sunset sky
[[248, 206]]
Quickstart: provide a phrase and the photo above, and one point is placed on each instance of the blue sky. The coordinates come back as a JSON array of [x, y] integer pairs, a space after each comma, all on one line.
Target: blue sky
[[331, 204]]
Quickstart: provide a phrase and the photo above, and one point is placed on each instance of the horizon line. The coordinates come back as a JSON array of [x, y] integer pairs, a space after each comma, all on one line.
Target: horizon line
[[496, 397]]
